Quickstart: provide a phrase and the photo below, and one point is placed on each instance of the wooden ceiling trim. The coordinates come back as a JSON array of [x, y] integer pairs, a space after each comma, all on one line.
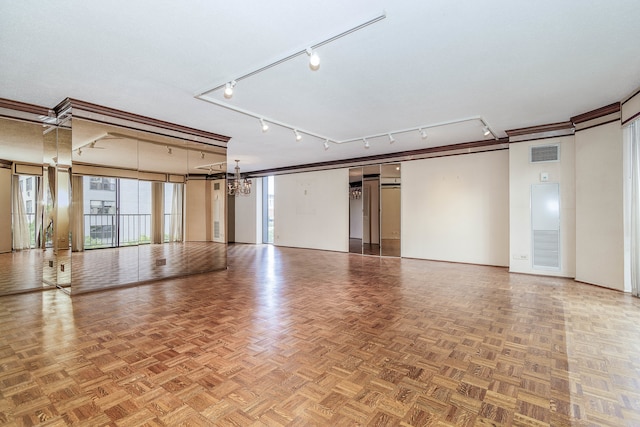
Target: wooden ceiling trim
[[136, 118], [552, 127], [462, 148], [597, 113]]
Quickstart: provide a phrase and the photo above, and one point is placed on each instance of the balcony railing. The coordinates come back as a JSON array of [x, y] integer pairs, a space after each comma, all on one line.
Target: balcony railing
[[110, 230], [106, 231]]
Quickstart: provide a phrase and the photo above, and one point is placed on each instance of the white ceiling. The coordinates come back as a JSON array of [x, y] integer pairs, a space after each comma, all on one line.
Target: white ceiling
[[513, 63]]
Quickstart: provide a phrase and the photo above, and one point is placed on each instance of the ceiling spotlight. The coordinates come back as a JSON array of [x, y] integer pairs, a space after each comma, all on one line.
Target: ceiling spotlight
[[92, 145], [265, 126], [79, 151], [314, 59], [298, 136], [228, 89], [202, 155], [169, 150], [423, 134], [366, 143], [391, 139], [326, 144], [486, 131]]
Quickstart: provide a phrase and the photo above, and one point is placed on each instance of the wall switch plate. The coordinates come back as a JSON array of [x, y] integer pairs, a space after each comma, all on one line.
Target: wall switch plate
[[544, 176]]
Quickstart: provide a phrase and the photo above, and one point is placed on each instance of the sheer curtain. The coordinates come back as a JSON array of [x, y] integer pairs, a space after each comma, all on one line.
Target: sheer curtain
[[21, 238], [175, 232], [632, 135]]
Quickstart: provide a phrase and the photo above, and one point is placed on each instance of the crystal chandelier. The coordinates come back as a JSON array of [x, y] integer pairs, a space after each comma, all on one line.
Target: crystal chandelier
[[355, 193], [238, 186]]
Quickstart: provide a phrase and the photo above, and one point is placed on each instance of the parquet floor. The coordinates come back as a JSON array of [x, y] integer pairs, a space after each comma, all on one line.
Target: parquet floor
[[294, 337], [97, 269]]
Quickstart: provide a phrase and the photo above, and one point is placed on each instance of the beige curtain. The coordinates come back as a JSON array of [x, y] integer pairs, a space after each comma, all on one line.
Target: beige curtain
[[157, 212], [77, 213], [175, 232], [21, 238]]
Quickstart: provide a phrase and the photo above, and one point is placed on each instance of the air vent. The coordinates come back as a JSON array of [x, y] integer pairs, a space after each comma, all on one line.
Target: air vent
[[216, 229], [544, 153], [216, 185]]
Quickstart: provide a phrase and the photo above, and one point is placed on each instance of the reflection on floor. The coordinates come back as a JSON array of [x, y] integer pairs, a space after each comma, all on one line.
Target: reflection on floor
[[34, 269], [292, 337], [22, 271], [390, 247], [105, 268]]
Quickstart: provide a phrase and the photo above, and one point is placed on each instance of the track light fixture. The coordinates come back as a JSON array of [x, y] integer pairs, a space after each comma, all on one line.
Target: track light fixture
[[169, 150], [297, 134], [366, 143], [423, 133], [486, 131], [314, 59], [265, 126], [326, 144], [391, 139], [79, 151], [228, 89], [202, 155]]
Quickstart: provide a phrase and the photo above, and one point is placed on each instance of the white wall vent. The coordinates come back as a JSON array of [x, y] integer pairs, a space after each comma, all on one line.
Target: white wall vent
[[544, 153], [216, 229]]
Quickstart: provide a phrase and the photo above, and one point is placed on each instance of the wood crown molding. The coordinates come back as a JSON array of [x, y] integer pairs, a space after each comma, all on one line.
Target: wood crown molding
[[136, 118], [552, 127], [25, 107], [596, 114], [444, 150]]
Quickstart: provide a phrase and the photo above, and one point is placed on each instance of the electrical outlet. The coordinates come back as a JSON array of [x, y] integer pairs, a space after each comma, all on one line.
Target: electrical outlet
[[50, 263], [61, 267], [160, 262]]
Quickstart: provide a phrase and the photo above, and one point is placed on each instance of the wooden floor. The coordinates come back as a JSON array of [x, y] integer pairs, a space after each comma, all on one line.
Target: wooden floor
[[301, 337]]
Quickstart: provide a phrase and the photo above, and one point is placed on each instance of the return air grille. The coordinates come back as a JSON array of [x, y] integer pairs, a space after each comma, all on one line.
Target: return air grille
[[544, 153]]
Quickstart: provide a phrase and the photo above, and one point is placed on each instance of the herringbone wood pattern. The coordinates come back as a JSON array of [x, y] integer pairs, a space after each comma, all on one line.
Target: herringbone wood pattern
[[301, 337]]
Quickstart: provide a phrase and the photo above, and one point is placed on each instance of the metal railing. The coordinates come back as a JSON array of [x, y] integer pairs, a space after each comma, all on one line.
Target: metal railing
[[110, 230], [106, 231]]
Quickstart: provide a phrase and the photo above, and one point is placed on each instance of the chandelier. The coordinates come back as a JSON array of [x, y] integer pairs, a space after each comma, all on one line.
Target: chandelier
[[355, 192], [238, 186]]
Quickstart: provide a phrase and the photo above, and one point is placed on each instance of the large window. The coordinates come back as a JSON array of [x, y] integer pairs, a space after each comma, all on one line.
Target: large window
[[102, 207], [119, 212], [268, 196], [100, 183]]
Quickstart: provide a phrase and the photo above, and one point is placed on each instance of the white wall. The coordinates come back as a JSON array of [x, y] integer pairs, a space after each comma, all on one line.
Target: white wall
[[599, 206], [249, 215], [457, 208], [523, 174], [5, 210], [312, 210]]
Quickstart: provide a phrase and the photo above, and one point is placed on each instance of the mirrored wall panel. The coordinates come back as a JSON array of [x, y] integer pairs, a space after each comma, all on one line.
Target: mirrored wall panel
[[390, 210], [144, 206], [25, 235], [374, 210]]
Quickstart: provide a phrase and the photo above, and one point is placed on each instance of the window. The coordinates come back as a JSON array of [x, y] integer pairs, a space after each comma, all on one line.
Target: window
[[101, 232], [102, 207], [99, 183], [29, 206], [29, 184], [268, 197]]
